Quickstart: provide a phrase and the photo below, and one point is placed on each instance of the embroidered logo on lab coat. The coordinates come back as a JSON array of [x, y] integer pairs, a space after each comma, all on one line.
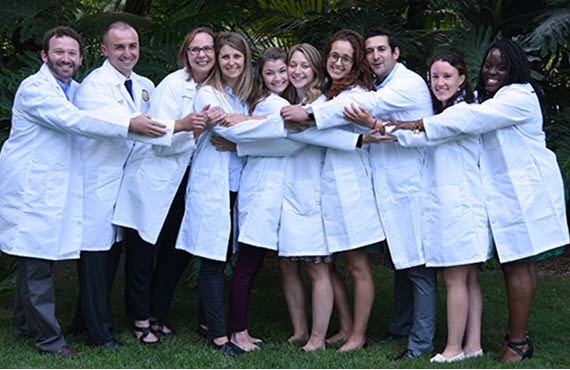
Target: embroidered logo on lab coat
[[145, 95]]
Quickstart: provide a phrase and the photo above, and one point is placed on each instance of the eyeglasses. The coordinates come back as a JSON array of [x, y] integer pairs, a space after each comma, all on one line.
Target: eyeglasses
[[345, 59], [197, 50]]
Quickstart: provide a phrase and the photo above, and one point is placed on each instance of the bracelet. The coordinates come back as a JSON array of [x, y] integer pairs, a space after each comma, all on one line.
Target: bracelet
[[416, 128], [374, 125]]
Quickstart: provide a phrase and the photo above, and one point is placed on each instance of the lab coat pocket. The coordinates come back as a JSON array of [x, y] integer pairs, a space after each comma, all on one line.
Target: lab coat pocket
[[301, 197], [404, 180], [108, 181], [348, 186], [47, 187], [155, 171]]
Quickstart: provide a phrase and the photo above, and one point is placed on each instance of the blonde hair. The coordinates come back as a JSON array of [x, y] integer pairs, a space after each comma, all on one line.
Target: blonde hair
[[244, 84], [316, 86], [182, 55]]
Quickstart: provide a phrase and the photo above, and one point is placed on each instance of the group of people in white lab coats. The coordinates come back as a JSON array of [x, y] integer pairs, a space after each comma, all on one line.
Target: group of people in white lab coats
[[317, 155]]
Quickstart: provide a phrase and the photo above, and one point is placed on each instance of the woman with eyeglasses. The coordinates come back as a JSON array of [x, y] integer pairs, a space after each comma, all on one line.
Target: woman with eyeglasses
[[150, 203], [348, 213], [206, 230]]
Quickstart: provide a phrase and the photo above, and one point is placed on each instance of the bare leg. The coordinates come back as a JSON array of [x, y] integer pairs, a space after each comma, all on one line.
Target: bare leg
[[341, 305], [455, 278], [322, 304], [294, 290], [473, 329], [358, 266], [520, 280]]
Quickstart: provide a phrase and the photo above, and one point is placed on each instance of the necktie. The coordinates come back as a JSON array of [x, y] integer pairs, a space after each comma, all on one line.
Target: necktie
[[129, 86]]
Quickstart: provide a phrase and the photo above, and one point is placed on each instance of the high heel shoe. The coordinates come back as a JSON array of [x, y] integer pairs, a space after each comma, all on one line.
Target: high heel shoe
[[515, 347]]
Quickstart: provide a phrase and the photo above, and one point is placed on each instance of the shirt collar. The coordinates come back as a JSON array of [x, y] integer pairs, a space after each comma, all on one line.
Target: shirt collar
[[388, 78], [64, 87]]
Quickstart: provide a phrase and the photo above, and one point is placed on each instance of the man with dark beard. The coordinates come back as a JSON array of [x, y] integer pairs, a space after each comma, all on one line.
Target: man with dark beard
[[41, 213]]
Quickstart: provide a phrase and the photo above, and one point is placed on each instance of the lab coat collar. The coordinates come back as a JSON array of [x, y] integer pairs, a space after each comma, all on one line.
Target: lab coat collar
[[45, 71], [119, 81]]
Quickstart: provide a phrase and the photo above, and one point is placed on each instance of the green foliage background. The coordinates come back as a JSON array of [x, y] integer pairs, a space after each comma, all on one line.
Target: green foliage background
[[422, 27]]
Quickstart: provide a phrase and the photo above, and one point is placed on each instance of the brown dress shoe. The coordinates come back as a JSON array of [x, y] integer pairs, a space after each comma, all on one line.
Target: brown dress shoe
[[66, 351]]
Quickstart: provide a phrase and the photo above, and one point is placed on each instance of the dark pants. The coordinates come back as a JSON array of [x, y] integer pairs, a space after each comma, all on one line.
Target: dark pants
[[211, 287], [415, 301], [150, 286], [248, 263], [94, 313], [34, 307]]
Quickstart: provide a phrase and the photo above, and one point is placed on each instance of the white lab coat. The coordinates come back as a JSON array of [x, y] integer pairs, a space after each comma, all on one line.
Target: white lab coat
[[104, 160], [261, 187], [349, 210], [455, 226], [302, 230], [206, 224], [41, 210], [396, 171], [523, 187], [153, 173]]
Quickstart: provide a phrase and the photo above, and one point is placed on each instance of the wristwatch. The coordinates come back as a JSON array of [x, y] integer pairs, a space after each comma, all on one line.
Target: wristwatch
[[309, 111]]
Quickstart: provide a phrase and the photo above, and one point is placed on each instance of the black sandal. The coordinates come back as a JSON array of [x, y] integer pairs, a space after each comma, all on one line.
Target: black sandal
[[515, 347], [157, 326], [145, 332]]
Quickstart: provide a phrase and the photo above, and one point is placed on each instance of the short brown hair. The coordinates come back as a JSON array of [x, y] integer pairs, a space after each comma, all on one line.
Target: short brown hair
[[61, 31]]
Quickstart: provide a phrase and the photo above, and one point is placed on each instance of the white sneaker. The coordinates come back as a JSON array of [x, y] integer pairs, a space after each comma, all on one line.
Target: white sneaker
[[440, 359], [479, 353]]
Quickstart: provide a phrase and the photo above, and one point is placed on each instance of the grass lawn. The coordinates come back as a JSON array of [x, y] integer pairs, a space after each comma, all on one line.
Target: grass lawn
[[549, 328]]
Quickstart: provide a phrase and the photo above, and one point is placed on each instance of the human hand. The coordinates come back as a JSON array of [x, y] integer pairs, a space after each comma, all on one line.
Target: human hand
[[297, 126], [213, 115], [375, 137], [222, 145], [143, 124], [294, 113], [233, 119], [360, 116], [393, 125]]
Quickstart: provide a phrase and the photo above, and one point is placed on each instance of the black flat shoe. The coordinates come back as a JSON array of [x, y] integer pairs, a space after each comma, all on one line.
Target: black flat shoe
[[515, 347], [389, 337], [228, 348], [157, 327], [408, 354], [145, 332]]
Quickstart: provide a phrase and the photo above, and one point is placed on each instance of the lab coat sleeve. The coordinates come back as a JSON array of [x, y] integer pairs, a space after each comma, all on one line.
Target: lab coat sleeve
[[42, 105], [253, 130], [512, 105], [269, 148], [330, 138], [395, 97], [167, 104], [86, 99], [408, 138]]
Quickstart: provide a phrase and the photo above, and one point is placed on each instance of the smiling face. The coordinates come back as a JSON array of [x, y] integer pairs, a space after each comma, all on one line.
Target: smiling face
[[300, 73], [445, 80], [494, 71], [63, 57], [275, 76], [201, 56], [122, 49], [231, 62], [340, 60], [380, 55]]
